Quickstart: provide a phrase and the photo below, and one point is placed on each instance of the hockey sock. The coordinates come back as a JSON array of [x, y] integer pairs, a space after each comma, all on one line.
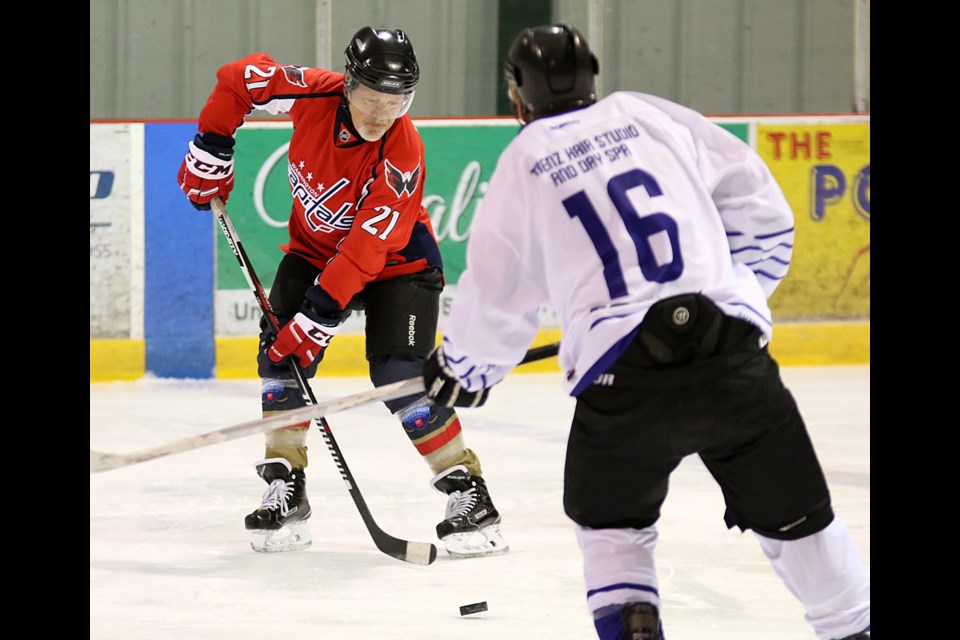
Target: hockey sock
[[277, 396], [288, 443], [826, 573], [618, 566], [437, 435]]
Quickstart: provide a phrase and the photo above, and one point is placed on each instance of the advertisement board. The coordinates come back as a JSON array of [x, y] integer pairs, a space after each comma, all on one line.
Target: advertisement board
[[460, 158], [116, 231], [824, 171], [167, 293]]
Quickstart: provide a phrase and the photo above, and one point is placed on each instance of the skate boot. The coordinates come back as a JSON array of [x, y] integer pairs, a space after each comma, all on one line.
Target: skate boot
[[280, 524], [641, 621], [471, 525]]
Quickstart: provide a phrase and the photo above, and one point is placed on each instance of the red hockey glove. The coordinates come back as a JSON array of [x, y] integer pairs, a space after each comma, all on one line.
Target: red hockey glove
[[309, 333], [302, 338], [207, 170], [443, 386]]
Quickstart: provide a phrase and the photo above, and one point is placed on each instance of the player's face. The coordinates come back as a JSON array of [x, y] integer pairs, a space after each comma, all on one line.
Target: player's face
[[373, 112]]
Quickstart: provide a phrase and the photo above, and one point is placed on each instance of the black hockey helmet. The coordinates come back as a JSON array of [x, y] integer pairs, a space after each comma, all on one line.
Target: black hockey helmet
[[550, 70], [383, 60]]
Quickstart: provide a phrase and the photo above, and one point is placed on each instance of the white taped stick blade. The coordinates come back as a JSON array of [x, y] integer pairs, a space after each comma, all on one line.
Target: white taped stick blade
[[421, 553]]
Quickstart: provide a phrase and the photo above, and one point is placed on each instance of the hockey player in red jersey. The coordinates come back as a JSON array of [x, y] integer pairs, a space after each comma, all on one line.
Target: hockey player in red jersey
[[360, 239]]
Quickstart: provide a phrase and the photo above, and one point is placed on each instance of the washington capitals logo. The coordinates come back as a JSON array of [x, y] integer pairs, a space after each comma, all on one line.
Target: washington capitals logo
[[402, 182], [294, 75]]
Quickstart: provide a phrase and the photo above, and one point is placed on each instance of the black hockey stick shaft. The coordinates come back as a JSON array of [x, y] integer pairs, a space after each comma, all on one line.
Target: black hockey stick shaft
[[416, 552], [541, 353]]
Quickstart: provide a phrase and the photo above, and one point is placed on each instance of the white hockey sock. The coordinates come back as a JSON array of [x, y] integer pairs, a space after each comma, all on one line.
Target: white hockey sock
[[826, 573], [618, 566]]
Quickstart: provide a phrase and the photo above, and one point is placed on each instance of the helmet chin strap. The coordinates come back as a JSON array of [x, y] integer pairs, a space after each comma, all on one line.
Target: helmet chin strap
[[518, 111], [347, 117]]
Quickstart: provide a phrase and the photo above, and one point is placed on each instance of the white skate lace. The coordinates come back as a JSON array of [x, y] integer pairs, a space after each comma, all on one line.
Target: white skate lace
[[276, 496], [461, 503]]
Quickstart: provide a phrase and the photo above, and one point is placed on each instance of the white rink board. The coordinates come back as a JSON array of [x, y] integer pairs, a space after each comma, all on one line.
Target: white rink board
[[116, 230], [237, 314]]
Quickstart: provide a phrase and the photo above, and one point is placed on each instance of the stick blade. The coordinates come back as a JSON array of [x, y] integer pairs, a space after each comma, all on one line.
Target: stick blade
[[422, 553], [100, 461]]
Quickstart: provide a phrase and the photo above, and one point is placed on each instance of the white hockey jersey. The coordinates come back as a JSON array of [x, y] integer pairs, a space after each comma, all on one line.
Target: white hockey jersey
[[598, 214]]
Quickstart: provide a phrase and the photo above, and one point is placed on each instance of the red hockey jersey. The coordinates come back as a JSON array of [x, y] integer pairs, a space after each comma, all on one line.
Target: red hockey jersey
[[357, 206]]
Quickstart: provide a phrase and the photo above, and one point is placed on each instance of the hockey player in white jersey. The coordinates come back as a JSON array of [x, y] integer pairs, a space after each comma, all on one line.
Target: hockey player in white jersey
[[657, 237]]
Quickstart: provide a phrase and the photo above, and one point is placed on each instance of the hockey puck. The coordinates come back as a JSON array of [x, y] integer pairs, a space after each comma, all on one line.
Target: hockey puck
[[476, 607]]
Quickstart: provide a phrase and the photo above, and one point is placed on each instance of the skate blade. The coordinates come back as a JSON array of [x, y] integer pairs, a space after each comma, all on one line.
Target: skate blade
[[293, 537], [475, 544]]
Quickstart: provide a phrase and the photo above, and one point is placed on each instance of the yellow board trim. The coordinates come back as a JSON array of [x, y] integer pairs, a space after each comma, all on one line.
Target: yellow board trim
[[794, 344], [805, 344], [112, 360]]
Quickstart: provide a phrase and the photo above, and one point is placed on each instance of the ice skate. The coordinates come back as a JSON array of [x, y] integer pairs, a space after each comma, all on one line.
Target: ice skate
[[280, 523], [641, 621], [471, 525]]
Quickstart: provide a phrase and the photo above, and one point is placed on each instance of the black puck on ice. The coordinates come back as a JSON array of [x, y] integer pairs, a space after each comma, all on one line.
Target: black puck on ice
[[476, 607]]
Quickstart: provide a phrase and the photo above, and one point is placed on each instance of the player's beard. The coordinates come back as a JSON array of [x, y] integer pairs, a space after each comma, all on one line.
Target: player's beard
[[372, 130]]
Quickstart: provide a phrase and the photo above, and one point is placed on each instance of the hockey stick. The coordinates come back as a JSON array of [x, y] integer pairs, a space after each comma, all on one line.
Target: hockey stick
[[415, 552], [106, 461]]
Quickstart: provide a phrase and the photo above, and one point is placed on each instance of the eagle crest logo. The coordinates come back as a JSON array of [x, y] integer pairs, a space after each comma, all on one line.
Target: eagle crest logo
[[294, 75], [401, 182]]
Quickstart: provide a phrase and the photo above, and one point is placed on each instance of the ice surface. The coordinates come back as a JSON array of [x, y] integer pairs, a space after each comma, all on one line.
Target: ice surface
[[169, 558]]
